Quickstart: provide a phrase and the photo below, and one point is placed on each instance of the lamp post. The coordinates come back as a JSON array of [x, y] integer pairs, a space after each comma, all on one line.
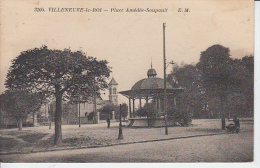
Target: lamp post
[[120, 136], [164, 79], [77, 100], [96, 117]]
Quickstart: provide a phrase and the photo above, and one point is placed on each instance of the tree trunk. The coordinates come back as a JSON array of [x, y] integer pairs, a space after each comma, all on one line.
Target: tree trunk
[[20, 124], [58, 117], [223, 108]]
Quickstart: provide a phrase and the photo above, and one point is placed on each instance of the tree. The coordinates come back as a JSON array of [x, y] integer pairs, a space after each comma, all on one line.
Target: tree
[[248, 87], [219, 74], [58, 73], [188, 77], [107, 110], [19, 103]]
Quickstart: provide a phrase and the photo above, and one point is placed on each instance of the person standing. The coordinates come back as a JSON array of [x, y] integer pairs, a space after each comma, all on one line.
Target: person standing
[[236, 122], [108, 121]]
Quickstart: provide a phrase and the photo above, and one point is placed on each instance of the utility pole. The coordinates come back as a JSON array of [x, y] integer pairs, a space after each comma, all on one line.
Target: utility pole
[[120, 135], [164, 79]]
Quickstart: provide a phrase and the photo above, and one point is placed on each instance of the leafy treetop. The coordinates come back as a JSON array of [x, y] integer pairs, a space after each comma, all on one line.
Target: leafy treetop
[[57, 71]]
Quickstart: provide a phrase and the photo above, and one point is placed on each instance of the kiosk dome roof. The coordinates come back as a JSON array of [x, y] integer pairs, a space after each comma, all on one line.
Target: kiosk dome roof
[[150, 87], [151, 83]]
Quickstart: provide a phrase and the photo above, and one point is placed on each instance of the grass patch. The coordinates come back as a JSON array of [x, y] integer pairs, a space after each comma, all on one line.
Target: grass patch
[[32, 137], [7, 144], [16, 132], [72, 142]]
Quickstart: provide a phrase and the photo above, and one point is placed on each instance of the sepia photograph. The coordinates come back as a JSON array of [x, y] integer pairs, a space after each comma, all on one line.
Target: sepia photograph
[[148, 81]]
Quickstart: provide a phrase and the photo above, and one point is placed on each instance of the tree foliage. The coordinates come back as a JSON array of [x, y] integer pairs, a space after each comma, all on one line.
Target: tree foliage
[[220, 75], [19, 103], [180, 115], [148, 110], [107, 109], [216, 69], [215, 84], [246, 89], [60, 73], [124, 109], [191, 99], [57, 71]]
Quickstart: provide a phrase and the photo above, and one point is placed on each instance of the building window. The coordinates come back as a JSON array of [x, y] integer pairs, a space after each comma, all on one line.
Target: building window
[[114, 90]]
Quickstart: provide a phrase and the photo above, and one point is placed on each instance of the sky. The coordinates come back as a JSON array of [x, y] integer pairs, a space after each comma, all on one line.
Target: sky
[[128, 41]]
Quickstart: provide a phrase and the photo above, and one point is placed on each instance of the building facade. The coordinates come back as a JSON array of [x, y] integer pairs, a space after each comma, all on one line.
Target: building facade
[[85, 110], [113, 96]]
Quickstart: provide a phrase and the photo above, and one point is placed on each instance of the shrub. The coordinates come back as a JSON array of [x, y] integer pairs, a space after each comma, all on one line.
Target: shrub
[[91, 116], [107, 111], [179, 115], [147, 110]]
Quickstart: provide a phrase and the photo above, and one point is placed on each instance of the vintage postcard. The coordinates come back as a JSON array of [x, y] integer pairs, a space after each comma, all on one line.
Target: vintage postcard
[[127, 81]]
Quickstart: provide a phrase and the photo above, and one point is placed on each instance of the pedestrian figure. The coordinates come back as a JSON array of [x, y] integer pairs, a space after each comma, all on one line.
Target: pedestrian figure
[[108, 121], [236, 122]]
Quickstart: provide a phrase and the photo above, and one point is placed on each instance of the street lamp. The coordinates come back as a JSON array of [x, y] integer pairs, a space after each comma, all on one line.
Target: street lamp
[[164, 79], [77, 100], [80, 101], [120, 135]]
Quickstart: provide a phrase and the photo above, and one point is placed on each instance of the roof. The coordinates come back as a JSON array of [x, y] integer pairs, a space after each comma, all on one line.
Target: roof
[[150, 87], [113, 82], [150, 93], [151, 83]]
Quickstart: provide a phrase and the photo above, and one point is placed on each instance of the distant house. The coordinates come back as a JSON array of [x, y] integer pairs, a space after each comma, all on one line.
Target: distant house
[[9, 121], [87, 108], [71, 111]]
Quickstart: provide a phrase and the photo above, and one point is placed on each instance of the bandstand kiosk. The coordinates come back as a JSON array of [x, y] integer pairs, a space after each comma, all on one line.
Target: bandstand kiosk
[[149, 88]]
